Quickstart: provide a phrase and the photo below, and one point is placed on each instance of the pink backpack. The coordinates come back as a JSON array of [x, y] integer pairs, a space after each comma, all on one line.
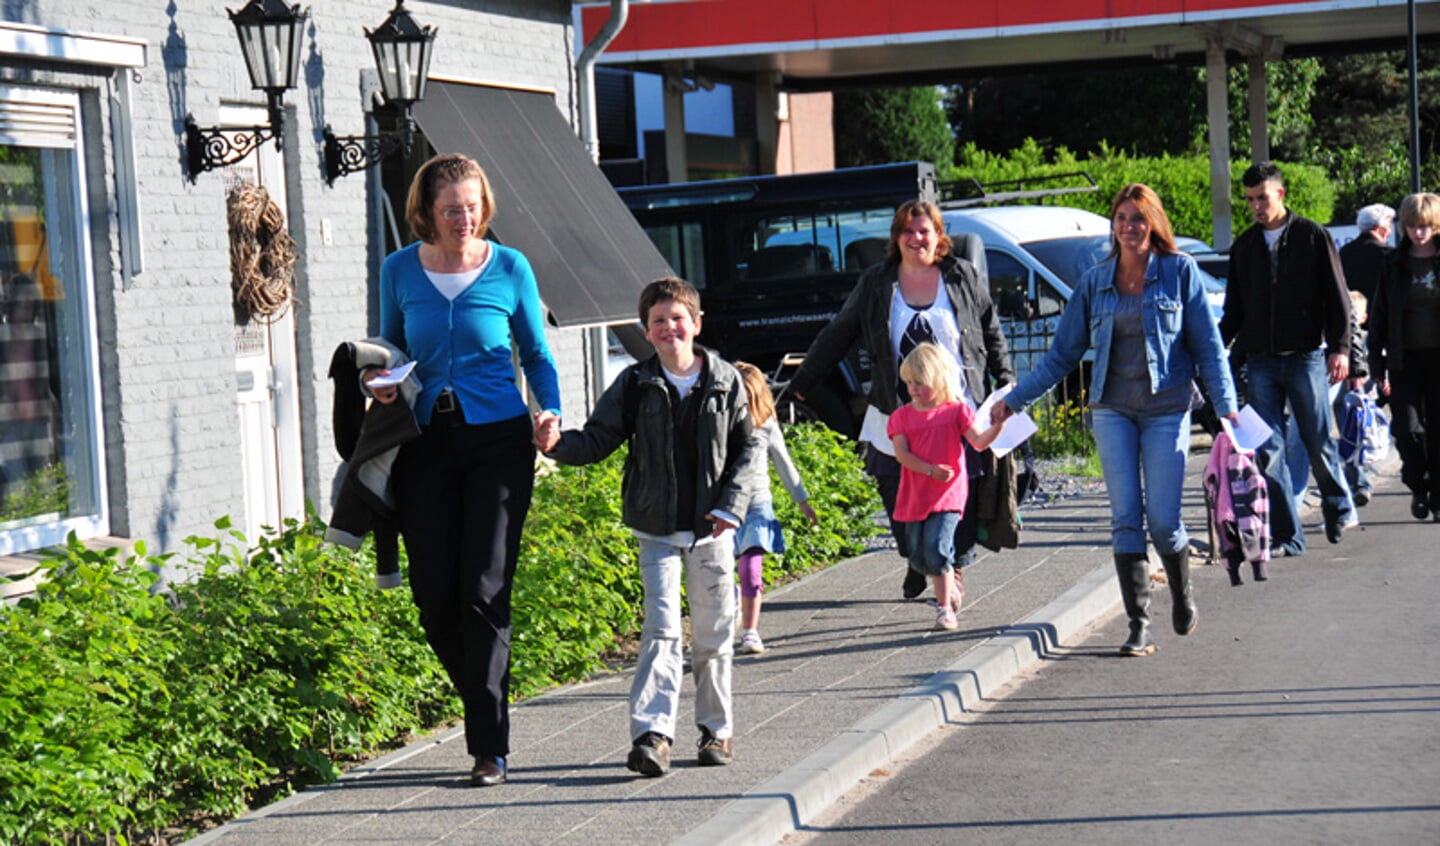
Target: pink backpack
[[1239, 504]]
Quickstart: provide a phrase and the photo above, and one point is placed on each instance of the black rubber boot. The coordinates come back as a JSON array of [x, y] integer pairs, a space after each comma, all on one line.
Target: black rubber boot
[[1183, 613], [1133, 570], [1233, 568], [914, 583], [1258, 568]]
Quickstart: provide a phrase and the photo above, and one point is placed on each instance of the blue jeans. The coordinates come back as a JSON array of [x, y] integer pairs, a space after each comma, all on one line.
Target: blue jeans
[[1143, 458], [1300, 380], [932, 543]]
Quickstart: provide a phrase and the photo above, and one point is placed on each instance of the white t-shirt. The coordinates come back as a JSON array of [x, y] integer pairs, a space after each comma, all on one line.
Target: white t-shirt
[[452, 285], [941, 317]]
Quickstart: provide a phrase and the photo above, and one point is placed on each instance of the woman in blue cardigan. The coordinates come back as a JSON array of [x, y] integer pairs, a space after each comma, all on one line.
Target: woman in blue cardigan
[[1143, 311], [456, 304]]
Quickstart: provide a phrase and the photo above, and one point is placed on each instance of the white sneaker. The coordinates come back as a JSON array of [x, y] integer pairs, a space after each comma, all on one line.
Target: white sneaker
[[751, 644]]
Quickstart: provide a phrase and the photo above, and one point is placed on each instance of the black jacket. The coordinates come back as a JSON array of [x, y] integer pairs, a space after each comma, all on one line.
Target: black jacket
[[635, 409], [369, 440], [1387, 317], [1305, 303], [1363, 261], [865, 317]]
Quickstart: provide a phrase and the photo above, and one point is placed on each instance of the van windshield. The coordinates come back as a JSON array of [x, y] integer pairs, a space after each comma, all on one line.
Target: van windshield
[[1068, 258]]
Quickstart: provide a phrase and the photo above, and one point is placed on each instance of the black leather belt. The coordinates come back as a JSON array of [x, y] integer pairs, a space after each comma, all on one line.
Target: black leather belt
[[446, 403]]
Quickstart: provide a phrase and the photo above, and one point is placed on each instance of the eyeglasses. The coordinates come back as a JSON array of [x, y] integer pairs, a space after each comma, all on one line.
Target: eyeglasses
[[458, 213]]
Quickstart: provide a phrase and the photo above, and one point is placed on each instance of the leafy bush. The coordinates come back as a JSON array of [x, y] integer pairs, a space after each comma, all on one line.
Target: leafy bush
[[1183, 183], [1062, 429], [128, 707]]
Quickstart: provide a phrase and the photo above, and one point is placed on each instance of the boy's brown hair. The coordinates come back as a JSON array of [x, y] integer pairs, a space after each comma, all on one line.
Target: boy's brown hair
[[669, 288]]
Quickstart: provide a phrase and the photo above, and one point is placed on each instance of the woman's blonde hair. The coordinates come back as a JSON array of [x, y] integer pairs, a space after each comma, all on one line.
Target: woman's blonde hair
[[762, 402], [930, 366], [431, 179]]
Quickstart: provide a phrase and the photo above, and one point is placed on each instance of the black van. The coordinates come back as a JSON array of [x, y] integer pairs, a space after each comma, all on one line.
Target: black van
[[774, 258]]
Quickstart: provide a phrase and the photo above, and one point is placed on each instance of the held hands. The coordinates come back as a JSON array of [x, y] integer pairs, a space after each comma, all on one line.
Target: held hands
[[1000, 413], [384, 395], [721, 524], [547, 430], [1338, 366]]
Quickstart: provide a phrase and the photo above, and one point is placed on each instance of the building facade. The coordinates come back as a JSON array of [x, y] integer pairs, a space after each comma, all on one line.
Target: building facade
[[136, 400]]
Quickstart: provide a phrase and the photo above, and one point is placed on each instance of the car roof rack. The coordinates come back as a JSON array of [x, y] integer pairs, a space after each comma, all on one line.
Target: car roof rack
[[965, 193]]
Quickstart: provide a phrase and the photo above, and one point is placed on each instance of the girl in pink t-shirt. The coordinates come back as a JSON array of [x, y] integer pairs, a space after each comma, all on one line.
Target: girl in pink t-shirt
[[933, 482]]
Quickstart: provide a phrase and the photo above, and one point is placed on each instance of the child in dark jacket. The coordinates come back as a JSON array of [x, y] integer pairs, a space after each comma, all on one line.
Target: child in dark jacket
[[692, 451]]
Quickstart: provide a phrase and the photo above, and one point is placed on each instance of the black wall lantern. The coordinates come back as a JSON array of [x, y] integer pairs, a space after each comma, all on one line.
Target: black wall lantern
[[271, 35], [402, 50]]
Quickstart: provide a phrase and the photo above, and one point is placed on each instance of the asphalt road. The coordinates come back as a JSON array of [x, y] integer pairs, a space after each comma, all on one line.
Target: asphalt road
[[1305, 709]]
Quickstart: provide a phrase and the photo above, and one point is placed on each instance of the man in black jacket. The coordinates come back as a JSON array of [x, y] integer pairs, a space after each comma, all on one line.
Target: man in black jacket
[[1364, 258], [1286, 295]]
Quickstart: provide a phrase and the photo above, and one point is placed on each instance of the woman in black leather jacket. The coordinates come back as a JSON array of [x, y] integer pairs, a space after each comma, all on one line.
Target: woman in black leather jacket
[[921, 292]]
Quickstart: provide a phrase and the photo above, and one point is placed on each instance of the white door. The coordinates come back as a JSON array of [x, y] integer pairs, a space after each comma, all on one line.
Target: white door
[[266, 373]]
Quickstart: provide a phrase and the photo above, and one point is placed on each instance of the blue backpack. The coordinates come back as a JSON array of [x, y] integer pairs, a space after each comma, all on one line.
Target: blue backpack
[[1364, 429]]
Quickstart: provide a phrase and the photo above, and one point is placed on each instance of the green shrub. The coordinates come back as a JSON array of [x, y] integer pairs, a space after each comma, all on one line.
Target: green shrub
[[1183, 183], [127, 706]]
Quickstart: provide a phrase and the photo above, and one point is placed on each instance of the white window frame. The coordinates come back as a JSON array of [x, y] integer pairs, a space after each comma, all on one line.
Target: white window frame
[[97, 523]]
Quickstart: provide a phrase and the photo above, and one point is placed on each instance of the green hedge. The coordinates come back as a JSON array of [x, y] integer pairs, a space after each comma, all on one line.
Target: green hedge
[[1183, 183], [127, 710]]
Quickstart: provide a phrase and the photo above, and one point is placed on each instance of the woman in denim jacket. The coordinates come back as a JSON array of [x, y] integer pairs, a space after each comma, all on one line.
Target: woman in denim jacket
[[1144, 312]]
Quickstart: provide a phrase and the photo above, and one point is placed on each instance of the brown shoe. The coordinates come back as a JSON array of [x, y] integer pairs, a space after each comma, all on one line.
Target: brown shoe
[[650, 755], [487, 772], [715, 752]]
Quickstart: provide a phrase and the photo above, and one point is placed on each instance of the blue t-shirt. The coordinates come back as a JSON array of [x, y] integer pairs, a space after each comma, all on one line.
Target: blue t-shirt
[[464, 344]]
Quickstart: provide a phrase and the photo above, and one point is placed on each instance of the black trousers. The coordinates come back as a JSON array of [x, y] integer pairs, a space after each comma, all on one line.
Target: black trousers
[[463, 495], [1415, 423]]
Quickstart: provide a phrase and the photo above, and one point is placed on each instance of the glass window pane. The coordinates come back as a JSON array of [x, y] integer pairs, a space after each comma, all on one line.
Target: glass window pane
[[49, 464], [1009, 285]]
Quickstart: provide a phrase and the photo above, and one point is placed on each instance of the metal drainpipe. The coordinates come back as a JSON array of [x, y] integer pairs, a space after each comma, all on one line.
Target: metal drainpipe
[[595, 337], [585, 75]]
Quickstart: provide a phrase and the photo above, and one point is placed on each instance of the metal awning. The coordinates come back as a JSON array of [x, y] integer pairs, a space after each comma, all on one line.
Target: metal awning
[[590, 256]]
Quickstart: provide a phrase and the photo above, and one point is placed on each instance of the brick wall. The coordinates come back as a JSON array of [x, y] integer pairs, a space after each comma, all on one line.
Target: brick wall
[[165, 338]]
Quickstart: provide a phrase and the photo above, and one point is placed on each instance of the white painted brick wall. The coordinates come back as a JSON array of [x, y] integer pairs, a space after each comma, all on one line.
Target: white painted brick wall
[[166, 339]]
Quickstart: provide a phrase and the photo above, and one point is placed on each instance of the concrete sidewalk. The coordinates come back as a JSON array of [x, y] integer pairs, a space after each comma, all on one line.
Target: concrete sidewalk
[[852, 676]]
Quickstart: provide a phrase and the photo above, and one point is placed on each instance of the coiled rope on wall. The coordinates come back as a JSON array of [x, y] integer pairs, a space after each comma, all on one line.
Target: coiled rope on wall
[[262, 254]]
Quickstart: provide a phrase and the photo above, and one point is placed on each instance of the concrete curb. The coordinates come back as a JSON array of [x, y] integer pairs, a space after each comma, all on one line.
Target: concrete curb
[[796, 796]]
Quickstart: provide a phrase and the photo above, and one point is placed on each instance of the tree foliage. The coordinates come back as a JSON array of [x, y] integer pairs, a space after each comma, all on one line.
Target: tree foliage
[[884, 125], [1289, 90], [1347, 115], [1183, 182], [1082, 111]]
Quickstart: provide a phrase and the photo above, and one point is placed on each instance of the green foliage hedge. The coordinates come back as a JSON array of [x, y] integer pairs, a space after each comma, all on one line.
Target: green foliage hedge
[[127, 710], [1183, 182]]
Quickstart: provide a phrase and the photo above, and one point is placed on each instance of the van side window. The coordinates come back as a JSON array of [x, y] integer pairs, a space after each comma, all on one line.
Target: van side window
[[1009, 285], [683, 246], [786, 246], [1049, 300]]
